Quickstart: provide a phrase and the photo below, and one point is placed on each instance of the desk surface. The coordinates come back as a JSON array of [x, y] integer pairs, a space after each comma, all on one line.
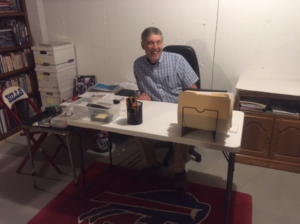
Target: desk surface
[[160, 123]]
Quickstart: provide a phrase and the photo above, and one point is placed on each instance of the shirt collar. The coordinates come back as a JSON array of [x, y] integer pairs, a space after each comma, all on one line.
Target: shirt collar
[[159, 60]]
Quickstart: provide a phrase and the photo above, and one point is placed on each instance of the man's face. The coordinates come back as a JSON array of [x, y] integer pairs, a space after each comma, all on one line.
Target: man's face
[[153, 47]]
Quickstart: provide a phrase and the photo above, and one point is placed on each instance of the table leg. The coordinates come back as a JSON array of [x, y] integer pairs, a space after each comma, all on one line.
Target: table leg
[[68, 141], [230, 171], [82, 162], [33, 172]]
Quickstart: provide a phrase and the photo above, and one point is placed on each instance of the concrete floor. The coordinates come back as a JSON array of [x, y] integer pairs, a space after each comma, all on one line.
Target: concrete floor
[[275, 194]]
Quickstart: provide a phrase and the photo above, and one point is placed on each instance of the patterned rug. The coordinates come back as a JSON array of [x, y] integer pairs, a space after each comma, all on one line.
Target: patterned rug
[[117, 199]]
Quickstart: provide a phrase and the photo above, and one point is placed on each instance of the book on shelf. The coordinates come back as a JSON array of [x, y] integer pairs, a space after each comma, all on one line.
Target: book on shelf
[[14, 60], [13, 32], [21, 80]]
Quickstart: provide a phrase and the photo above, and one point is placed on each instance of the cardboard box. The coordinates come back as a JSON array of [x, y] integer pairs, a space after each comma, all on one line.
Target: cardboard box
[[62, 79], [53, 55], [55, 96]]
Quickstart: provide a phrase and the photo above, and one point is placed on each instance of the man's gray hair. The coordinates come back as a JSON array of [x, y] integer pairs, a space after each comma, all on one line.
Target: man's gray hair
[[151, 31]]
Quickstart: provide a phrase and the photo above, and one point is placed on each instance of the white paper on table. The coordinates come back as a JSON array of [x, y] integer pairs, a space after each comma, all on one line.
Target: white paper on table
[[129, 85], [93, 94]]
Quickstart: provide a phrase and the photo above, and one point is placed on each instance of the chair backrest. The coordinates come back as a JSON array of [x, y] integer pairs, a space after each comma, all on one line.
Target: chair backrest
[[189, 54], [10, 96]]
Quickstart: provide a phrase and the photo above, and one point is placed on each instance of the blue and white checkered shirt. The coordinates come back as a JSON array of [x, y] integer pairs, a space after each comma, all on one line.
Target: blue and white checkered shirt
[[164, 80]]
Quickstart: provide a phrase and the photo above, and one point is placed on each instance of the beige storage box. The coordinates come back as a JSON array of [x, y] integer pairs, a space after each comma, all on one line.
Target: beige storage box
[[53, 55], [203, 110], [55, 96], [62, 79]]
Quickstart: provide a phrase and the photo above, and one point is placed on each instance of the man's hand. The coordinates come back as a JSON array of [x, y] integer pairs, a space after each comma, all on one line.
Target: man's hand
[[193, 86], [144, 96]]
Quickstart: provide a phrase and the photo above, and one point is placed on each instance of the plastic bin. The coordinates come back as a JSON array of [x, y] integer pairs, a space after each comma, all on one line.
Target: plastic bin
[[60, 121], [86, 109]]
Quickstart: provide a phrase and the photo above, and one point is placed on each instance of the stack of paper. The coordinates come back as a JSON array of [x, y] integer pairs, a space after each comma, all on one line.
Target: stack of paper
[[252, 106], [289, 112]]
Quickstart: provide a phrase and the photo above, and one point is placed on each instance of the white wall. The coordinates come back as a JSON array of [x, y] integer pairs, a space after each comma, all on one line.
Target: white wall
[[231, 38], [259, 38]]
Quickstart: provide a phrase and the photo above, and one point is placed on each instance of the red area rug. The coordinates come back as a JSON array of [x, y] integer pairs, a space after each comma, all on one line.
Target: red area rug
[[118, 199]]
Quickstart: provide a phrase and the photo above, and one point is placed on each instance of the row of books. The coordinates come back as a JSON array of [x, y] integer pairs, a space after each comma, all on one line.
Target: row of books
[[14, 61], [13, 32], [22, 109], [22, 80], [10, 6]]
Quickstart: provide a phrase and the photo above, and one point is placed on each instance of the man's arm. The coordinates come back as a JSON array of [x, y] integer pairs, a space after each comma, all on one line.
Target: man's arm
[[144, 96], [193, 86]]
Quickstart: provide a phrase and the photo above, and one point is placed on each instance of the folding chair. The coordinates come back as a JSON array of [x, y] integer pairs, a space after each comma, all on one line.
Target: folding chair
[[9, 97]]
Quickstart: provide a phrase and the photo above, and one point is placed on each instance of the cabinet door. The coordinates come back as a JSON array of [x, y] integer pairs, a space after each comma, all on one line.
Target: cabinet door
[[257, 133], [285, 145]]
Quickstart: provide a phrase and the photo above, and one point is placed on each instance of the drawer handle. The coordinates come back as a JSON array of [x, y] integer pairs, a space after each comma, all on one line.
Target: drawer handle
[[46, 73], [71, 60], [43, 52], [45, 64]]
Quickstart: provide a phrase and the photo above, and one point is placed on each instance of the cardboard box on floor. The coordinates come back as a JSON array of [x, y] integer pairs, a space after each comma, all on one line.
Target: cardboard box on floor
[[197, 108]]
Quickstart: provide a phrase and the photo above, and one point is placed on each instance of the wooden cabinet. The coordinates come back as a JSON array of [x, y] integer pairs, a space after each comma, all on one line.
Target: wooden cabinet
[[270, 140], [257, 133], [285, 144], [16, 57]]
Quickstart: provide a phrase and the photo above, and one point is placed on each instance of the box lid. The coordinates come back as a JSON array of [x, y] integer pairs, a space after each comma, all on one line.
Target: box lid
[[57, 70], [53, 46]]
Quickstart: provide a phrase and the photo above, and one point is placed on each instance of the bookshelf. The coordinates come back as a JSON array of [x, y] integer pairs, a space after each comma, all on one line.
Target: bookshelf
[[270, 139], [16, 57]]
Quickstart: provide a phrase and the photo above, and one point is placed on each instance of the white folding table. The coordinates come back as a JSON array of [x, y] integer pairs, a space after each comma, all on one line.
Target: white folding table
[[160, 123]]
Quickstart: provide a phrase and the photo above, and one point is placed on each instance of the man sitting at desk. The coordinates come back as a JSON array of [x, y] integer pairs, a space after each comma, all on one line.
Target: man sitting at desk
[[161, 76]]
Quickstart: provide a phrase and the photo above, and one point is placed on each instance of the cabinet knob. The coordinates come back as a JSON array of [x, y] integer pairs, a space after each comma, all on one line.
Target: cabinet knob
[[268, 139]]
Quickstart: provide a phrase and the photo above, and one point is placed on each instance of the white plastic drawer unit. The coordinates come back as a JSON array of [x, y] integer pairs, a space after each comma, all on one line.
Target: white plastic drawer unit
[[63, 78], [63, 55]]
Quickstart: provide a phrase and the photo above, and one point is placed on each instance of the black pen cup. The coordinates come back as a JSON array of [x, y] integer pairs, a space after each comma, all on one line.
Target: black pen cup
[[135, 113]]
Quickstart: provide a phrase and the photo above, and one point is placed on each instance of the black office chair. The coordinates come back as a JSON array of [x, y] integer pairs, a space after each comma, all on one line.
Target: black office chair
[[189, 54]]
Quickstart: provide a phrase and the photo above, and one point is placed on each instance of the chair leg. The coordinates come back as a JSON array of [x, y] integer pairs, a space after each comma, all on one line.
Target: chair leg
[[51, 161], [194, 153], [61, 142], [36, 146], [57, 151]]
